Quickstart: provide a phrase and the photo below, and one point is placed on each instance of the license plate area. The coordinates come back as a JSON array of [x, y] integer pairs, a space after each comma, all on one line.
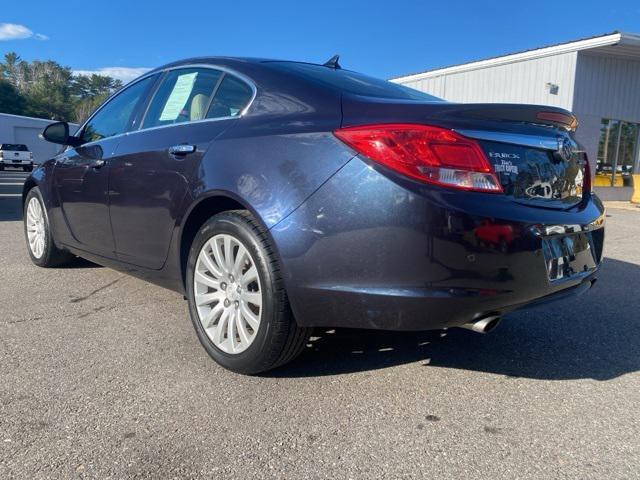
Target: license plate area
[[568, 255]]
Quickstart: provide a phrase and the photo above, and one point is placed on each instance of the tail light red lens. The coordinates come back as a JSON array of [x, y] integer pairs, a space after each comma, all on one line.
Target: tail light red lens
[[426, 153]]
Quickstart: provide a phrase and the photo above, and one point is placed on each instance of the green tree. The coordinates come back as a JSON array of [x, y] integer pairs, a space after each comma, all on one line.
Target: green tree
[[90, 91], [13, 69], [10, 99], [85, 106], [49, 90]]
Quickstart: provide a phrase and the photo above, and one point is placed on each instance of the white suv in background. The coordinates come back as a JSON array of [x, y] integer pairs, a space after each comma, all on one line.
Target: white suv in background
[[15, 155]]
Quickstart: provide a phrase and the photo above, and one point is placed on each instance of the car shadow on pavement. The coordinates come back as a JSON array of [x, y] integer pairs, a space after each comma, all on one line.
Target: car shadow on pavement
[[78, 262], [10, 209], [594, 336]]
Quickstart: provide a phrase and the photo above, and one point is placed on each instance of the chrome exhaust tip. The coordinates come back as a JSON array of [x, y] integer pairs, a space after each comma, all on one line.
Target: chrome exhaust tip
[[484, 324]]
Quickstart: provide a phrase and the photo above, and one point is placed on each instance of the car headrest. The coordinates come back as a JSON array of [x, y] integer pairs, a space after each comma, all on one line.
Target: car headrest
[[198, 107]]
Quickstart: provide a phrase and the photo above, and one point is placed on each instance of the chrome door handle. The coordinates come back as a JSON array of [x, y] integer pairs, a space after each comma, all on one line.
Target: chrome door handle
[[98, 164], [181, 150]]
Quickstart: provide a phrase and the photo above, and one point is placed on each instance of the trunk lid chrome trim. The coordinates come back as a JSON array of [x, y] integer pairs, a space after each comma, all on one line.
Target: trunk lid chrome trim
[[533, 141]]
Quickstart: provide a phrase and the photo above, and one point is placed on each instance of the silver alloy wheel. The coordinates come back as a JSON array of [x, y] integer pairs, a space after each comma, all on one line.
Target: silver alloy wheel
[[35, 227], [227, 293]]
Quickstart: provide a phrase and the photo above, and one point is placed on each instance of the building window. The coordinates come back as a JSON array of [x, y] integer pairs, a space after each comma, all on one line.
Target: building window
[[618, 153]]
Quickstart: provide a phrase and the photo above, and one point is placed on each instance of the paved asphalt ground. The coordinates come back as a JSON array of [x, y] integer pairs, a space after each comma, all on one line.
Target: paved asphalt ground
[[101, 375]]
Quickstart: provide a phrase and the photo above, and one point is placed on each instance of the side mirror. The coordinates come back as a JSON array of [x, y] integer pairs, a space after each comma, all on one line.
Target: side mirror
[[58, 132]]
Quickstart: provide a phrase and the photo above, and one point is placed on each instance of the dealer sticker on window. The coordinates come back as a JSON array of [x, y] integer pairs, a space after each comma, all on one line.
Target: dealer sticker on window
[[178, 97]]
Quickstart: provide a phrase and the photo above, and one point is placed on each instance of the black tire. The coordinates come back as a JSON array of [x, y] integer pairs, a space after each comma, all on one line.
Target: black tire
[[27, 169], [1, 168], [278, 339], [52, 256]]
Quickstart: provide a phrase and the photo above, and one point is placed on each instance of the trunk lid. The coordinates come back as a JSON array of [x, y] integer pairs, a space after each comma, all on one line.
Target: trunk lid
[[530, 147], [540, 171]]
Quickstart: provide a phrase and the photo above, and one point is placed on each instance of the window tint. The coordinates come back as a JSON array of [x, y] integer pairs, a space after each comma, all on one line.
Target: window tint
[[231, 98], [352, 82], [15, 147], [183, 96], [114, 117]]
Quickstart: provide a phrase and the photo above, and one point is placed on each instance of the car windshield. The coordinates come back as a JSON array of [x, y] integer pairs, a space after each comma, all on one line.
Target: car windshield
[[14, 147], [353, 82]]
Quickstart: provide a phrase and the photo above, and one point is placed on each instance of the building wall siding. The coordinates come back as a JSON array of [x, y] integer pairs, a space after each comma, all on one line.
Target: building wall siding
[[605, 87], [608, 87], [518, 82], [19, 129], [588, 135]]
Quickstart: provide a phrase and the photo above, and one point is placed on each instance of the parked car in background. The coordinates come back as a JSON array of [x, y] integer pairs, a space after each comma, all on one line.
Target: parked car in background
[[15, 155], [282, 196]]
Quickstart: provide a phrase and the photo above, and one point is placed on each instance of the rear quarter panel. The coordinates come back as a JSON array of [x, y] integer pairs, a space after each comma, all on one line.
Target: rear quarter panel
[[271, 174]]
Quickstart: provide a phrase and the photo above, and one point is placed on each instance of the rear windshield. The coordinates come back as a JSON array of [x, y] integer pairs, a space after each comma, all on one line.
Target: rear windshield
[[14, 147], [352, 82]]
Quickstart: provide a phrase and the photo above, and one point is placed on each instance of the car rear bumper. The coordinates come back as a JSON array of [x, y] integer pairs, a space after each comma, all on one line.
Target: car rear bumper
[[373, 251], [16, 163]]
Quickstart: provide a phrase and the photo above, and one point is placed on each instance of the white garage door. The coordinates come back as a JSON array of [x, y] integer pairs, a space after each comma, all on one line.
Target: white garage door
[[42, 150]]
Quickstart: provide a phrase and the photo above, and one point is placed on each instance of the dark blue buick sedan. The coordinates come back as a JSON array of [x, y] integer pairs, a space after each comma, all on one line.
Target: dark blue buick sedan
[[281, 196]]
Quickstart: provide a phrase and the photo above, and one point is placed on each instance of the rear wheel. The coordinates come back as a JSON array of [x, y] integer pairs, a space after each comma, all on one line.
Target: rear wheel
[[1, 168], [237, 299], [27, 169], [40, 245]]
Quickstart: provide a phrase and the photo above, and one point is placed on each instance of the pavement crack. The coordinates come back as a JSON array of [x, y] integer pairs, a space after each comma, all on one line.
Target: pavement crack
[[95, 310], [22, 320], [89, 295]]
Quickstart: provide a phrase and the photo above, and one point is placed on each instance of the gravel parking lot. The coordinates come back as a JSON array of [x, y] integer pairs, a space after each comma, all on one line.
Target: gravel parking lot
[[101, 375]]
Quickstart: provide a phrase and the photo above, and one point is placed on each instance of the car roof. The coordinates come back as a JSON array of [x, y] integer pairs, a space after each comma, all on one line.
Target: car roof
[[224, 61]]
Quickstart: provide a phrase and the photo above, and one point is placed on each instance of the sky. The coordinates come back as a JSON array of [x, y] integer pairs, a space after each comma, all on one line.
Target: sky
[[380, 38]]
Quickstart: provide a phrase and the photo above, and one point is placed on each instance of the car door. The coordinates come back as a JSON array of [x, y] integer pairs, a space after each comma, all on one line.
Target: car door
[[81, 174], [153, 167]]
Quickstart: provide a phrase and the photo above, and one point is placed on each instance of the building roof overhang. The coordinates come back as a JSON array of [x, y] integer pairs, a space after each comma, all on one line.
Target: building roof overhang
[[619, 44]]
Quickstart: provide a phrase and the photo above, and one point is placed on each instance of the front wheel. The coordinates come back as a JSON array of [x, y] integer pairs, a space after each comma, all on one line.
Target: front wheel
[[40, 244], [237, 300], [28, 169]]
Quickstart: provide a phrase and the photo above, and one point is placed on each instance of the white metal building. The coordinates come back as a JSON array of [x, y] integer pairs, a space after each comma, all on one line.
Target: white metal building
[[597, 78], [25, 130]]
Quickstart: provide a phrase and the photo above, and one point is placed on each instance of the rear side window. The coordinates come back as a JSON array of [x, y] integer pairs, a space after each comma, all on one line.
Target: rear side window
[[114, 117], [183, 96], [14, 147], [353, 82], [230, 99]]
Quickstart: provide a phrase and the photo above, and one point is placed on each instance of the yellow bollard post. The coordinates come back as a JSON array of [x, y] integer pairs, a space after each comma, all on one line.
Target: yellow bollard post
[[635, 198]]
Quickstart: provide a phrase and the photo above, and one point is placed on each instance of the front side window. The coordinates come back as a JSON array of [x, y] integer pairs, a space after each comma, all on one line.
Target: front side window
[[232, 97], [114, 117], [183, 96]]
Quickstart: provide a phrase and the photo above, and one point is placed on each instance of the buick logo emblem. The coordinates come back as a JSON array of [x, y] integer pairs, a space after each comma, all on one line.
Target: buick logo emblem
[[565, 148]]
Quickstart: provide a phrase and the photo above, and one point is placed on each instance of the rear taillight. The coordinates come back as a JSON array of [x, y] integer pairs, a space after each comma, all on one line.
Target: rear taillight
[[426, 153]]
